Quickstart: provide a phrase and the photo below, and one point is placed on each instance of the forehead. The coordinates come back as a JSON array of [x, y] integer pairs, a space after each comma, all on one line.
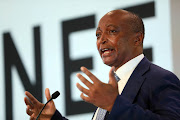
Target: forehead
[[112, 19]]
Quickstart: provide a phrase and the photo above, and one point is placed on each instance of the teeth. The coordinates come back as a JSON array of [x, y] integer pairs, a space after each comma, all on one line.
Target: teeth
[[104, 49], [107, 52]]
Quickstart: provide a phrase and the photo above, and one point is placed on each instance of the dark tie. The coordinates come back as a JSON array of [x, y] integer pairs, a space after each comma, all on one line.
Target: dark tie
[[102, 112]]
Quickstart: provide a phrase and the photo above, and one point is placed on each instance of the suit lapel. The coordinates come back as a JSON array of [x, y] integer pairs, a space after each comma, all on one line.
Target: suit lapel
[[136, 79]]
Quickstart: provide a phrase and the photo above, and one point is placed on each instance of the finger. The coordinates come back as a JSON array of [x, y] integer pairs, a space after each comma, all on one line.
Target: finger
[[84, 80], [112, 79], [90, 75], [87, 99], [82, 89], [31, 98], [27, 102], [28, 111], [47, 93], [32, 117]]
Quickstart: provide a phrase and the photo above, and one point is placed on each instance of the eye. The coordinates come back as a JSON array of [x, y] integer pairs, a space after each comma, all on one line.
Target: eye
[[98, 35], [112, 31]]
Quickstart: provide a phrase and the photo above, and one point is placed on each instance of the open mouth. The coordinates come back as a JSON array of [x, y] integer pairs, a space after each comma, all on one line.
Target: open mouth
[[106, 51]]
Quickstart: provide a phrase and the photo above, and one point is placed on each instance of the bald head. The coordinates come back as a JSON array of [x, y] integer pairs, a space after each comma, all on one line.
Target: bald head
[[134, 22]]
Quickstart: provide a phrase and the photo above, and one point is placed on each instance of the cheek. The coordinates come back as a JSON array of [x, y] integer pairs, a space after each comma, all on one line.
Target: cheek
[[118, 47], [97, 44], [121, 50]]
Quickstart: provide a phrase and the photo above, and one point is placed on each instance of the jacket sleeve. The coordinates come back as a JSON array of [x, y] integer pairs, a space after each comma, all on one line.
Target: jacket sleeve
[[164, 105], [57, 116]]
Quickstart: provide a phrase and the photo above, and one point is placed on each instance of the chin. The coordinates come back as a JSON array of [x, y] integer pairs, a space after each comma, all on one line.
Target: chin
[[109, 63]]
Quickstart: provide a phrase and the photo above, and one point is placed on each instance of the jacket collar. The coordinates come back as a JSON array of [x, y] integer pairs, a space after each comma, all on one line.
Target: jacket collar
[[136, 79]]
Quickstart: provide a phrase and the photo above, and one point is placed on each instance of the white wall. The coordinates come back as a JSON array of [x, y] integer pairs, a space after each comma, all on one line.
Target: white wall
[[19, 17]]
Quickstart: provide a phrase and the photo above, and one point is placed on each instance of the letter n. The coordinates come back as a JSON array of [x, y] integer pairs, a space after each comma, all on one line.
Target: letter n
[[12, 59]]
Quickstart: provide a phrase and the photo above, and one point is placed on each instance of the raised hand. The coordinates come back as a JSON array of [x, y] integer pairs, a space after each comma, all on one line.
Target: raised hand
[[98, 93], [34, 107]]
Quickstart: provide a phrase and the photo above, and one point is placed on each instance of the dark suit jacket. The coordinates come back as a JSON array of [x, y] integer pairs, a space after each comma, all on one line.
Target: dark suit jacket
[[151, 93]]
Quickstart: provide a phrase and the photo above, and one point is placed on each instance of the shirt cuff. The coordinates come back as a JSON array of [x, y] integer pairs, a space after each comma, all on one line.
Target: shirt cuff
[[57, 116]]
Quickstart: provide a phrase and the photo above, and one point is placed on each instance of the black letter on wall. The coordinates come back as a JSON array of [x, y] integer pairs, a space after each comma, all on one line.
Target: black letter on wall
[[12, 58], [71, 66]]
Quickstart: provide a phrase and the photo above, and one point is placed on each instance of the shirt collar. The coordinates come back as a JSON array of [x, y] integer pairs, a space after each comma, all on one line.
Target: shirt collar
[[129, 67]]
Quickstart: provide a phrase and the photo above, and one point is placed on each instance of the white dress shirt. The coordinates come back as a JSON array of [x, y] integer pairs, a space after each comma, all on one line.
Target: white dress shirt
[[124, 73]]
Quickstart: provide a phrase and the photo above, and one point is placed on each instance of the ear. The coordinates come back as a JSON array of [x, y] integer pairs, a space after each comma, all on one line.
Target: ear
[[139, 39]]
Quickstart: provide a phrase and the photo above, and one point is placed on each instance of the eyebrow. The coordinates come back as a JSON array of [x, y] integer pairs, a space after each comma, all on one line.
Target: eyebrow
[[112, 25], [107, 26], [98, 29]]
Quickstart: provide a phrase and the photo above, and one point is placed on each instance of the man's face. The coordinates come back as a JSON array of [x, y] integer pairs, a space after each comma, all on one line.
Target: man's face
[[115, 40]]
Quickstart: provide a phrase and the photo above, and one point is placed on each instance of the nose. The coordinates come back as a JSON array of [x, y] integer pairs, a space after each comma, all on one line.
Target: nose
[[103, 39]]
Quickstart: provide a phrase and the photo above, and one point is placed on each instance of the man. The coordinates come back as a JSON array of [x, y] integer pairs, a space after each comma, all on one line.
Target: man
[[144, 92]]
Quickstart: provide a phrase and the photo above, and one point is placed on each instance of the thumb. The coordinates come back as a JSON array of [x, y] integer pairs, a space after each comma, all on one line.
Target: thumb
[[47, 93], [112, 79]]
